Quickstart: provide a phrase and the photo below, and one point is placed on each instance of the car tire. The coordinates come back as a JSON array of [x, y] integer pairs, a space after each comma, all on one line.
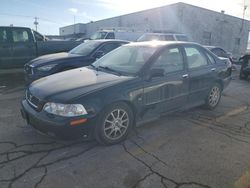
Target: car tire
[[242, 76], [213, 97], [114, 124]]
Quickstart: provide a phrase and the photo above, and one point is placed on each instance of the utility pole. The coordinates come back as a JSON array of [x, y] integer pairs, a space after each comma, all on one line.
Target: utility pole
[[36, 22], [244, 13], [74, 24]]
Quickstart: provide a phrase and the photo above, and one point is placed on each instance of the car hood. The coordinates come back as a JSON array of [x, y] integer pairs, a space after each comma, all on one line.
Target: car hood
[[53, 57], [68, 85]]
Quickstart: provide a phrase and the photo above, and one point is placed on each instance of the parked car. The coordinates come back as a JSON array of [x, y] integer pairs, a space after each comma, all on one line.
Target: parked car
[[245, 66], [116, 34], [163, 37], [220, 52], [18, 45], [82, 55], [135, 83]]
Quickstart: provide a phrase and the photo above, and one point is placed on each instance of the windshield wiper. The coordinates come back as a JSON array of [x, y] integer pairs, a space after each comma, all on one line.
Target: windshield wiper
[[109, 69]]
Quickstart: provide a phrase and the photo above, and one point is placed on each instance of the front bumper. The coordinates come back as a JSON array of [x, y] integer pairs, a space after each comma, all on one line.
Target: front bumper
[[55, 125]]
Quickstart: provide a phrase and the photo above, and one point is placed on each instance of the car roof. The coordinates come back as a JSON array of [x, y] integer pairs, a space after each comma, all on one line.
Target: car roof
[[110, 40], [14, 27], [212, 47], [165, 34], [159, 43]]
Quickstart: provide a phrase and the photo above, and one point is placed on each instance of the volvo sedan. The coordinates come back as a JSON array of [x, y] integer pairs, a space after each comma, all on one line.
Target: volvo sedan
[[133, 84]]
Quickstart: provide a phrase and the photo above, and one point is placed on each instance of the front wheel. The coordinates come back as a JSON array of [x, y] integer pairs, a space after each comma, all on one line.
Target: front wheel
[[114, 123], [214, 96]]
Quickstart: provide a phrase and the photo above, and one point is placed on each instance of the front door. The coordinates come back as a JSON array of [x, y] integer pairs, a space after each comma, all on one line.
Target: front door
[[169, 92], [24, 48], [5, 48]]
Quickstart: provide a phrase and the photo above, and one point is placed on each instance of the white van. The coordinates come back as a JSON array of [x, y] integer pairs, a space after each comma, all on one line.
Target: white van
[[163, 37]]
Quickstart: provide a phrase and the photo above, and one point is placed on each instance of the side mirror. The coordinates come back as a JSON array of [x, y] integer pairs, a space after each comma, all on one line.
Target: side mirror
[[156, 73], [99, 54]]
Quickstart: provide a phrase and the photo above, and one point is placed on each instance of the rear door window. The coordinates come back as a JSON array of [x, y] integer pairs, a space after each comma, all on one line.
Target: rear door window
[[170, 60], [195, 58]]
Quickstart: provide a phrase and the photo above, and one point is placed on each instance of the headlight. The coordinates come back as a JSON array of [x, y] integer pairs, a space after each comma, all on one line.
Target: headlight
[[46, 67], [65, 110]]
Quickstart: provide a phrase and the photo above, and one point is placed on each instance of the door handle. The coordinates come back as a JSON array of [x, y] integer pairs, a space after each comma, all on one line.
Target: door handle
[[213, 69], [185, 76]]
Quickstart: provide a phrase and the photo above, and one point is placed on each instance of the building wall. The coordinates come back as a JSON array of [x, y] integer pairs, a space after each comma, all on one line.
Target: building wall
[[201, 25], [71, 29]]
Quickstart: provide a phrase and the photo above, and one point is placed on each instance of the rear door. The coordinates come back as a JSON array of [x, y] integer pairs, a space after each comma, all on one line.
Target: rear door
[[170, 92], [24, 48], [5, 48], [201, 73]]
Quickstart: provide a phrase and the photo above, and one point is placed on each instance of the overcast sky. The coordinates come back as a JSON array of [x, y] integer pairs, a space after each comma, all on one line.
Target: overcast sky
[[53, 14]]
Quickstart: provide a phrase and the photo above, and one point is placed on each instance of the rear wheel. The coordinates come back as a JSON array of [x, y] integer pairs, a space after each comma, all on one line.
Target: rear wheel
[[242, 75], [214, 96], [114, 124]]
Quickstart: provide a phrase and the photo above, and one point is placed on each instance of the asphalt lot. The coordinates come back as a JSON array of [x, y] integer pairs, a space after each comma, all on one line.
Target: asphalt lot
[[194, 149]]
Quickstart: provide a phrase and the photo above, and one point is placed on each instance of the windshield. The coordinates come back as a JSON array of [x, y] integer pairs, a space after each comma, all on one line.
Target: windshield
[[85, 48], [98, 35], [126, 59]]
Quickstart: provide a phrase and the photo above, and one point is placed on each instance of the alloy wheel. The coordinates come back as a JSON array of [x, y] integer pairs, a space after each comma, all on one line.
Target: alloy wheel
[[214, 96], [116, 124]]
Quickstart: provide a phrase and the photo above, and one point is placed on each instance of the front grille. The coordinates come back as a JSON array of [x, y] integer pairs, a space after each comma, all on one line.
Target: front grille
[[28, 69], [33, 101]]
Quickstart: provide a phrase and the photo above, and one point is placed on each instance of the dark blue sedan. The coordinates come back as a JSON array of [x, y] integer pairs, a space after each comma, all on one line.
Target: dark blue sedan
[[82, 55], [133, 84]]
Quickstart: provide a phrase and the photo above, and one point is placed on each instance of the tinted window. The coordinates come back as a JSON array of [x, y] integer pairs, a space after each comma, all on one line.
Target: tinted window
[[195, 58], [3, 36], [85, 48], [108, 47], [110, 36], [181, 38], [98, 35], [170, 60], [169, 37], [219, 52], [20, 35]]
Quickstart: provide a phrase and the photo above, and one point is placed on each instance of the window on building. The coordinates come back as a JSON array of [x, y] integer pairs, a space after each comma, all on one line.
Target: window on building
[[237, 41], [207, 37], [195, 58]]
